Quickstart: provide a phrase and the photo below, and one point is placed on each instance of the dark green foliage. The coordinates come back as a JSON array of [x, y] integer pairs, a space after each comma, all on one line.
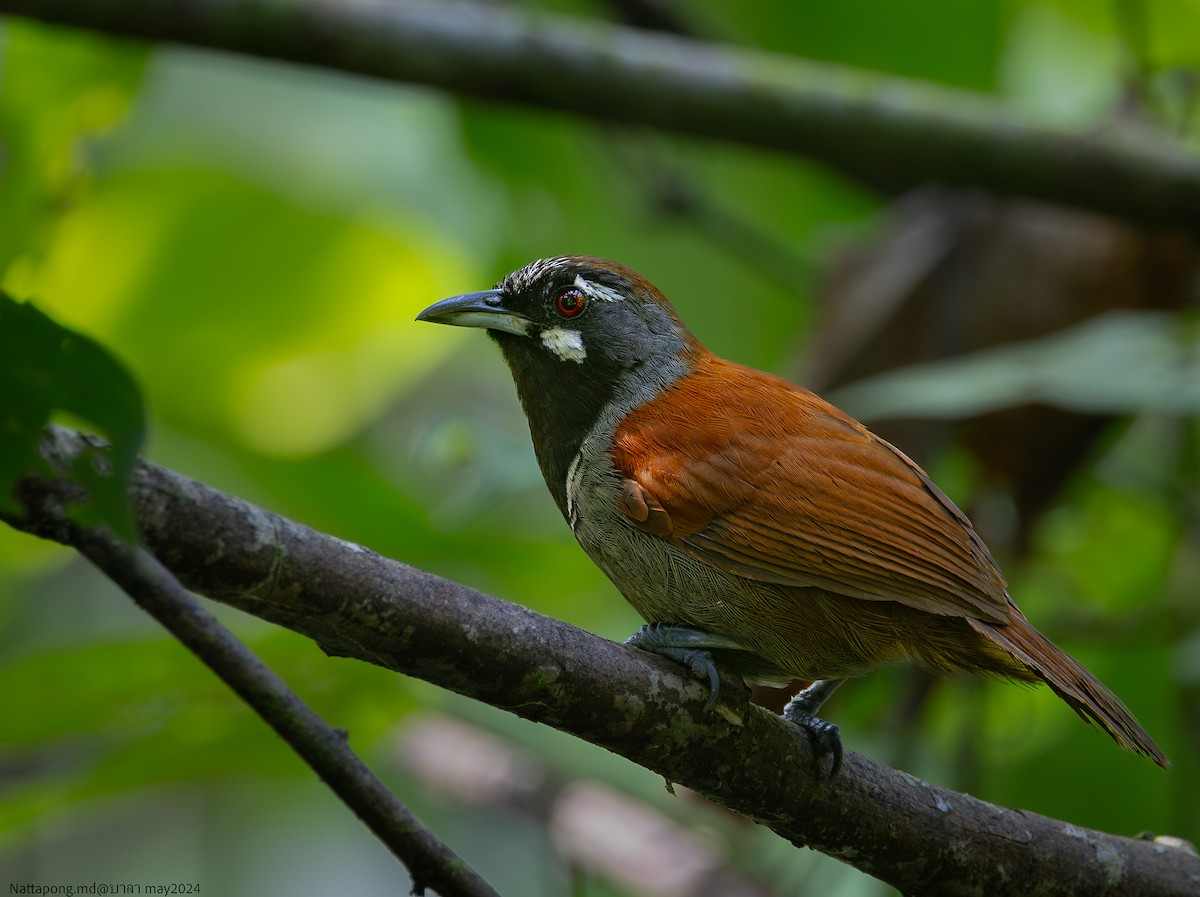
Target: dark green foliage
[[46, 368]]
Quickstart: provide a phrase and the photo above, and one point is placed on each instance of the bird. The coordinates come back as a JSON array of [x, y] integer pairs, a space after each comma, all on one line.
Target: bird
[[755, 527]]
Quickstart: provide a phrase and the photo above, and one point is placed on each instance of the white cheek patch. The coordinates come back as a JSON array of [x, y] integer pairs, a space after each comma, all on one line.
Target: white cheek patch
[[597, 291], [566, 344]]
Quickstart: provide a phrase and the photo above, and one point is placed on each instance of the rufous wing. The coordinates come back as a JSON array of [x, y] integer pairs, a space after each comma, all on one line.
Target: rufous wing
[[759, 478]]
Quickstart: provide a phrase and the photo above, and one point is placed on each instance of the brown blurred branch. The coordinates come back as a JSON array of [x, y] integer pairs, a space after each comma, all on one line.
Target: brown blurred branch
[[918, 837], [884, 130]]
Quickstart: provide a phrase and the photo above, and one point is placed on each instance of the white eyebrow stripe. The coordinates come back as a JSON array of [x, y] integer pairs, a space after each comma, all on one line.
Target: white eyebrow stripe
[[597, 291]]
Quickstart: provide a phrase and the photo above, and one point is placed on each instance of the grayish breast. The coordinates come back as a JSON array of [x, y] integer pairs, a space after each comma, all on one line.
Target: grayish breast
[[660, 581]]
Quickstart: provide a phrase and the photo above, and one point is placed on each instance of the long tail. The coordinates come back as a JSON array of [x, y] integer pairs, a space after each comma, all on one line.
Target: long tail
[[1086, 694]]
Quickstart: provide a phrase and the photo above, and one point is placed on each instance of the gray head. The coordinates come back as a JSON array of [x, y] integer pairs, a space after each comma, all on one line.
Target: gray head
[[580, 335], [572, 308]]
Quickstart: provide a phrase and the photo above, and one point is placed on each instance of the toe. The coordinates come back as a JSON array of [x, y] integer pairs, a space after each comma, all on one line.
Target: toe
[[825, 737]]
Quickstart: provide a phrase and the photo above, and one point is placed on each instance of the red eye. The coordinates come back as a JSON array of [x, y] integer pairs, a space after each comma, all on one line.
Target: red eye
[[570, 302]]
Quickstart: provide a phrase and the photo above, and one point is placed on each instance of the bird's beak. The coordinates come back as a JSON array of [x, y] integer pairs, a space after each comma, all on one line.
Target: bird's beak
[[485, 309]]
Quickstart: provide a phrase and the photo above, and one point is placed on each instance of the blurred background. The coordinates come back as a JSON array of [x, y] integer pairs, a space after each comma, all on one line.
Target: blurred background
[[253, 241]]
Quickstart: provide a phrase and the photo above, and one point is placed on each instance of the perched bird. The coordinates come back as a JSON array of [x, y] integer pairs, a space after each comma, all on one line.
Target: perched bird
[[753, 525]]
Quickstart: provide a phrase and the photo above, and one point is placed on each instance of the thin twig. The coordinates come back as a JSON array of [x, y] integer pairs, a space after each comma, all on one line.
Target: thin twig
[[430, 862]]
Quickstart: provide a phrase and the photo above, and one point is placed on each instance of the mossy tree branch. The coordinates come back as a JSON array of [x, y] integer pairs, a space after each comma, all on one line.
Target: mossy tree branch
[[353, 602]]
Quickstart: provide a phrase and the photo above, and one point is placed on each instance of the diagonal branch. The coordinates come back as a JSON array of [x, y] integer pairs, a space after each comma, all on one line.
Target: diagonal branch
[[430, 862], [885, 130], [918, 837]]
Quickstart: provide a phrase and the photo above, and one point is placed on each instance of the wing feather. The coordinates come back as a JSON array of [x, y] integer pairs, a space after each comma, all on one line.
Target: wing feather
[[782, 487]]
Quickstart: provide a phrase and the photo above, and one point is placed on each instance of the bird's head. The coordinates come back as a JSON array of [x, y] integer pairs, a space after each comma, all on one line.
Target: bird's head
[[574, 316], [583, 337]]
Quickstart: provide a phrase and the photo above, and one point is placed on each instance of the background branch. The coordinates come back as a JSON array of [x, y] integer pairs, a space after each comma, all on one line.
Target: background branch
[[430, 862], [916, 836], [885, 130]]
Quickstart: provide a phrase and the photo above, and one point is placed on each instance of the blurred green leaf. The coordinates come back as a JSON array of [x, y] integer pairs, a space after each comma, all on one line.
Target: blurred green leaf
[[132, 714], [1062, 62], [938, 40], [1116, 363], [1116, 547], [60, 89], [273, 324], [1173, 31], [44, 367]]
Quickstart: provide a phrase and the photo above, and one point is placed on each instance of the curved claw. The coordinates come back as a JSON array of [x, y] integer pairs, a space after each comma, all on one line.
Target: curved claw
[[825, 737], [669, 641]]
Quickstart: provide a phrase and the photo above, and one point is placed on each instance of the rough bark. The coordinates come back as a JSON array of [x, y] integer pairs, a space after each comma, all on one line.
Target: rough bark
[[920, 838]]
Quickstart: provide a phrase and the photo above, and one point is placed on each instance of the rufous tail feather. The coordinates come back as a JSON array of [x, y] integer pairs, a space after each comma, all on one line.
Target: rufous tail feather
[[1086, 694]]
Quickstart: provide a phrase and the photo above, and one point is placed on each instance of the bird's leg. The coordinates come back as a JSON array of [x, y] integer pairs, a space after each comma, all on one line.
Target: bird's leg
[[688, 647], [802, 709], [692, 648]]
